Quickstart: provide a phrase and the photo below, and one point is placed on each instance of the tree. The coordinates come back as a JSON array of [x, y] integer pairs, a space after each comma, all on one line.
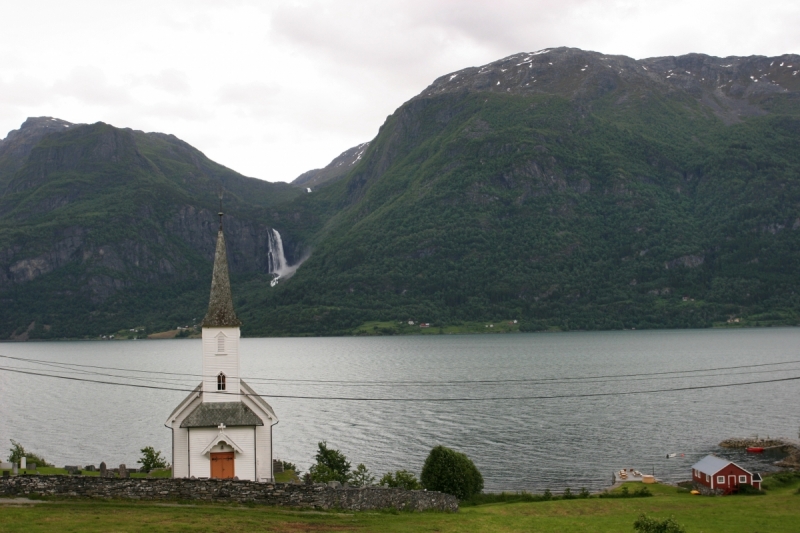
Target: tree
[[362, 477], [401, 479], [331, 465], [451, 472], [644, 524], [18, 452], [151, 459], [290, 466]]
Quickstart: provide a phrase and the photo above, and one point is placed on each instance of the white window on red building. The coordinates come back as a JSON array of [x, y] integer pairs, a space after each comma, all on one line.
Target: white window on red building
[[742, 479], [720, 479]]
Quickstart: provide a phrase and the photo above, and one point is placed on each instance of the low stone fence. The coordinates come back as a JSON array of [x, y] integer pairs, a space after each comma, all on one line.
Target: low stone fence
[[317, 496]]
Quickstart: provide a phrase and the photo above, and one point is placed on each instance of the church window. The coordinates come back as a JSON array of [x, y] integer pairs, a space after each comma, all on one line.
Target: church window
[[221, 381], [221, 343]]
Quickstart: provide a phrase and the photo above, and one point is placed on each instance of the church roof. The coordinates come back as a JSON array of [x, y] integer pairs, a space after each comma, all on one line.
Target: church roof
[[220, 305], [212, 414]]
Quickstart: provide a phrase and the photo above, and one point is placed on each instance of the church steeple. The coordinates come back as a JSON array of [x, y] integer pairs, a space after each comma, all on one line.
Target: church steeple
[[220, 306]]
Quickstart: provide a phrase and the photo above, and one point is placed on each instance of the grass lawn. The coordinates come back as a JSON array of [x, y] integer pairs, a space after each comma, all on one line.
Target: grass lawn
[[778, 511], [286, 477]]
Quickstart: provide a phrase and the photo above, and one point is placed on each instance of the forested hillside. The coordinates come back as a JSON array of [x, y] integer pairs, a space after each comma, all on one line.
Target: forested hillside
[[563, 189], [104, 228]]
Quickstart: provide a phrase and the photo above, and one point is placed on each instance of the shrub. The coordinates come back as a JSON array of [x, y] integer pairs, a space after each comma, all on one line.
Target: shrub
[[780, 479], [749, 490], [645, 524], [362, 477], [151, 459], [642, 492], [402, 479], [290, 466], [451, 472], [18, 452], [331, 465]]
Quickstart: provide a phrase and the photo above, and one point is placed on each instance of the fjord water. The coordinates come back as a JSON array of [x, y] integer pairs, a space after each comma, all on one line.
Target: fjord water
[[518, 444]]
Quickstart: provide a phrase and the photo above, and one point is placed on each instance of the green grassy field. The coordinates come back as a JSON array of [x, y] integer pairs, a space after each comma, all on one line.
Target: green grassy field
[[778, 511]]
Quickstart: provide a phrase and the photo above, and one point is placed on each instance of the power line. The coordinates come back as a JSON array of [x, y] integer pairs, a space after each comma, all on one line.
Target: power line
[[437, 400], [400, 382], [178, 381]]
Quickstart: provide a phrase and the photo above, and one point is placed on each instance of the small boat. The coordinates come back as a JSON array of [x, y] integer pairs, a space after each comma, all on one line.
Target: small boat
[[755, 449], [671, 455]]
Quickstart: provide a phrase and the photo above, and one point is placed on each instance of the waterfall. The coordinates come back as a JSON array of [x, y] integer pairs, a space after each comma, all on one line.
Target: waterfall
[[277, 260]]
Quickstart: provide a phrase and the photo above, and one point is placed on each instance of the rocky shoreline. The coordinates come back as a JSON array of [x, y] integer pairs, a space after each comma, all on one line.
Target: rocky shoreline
[[789, 446]]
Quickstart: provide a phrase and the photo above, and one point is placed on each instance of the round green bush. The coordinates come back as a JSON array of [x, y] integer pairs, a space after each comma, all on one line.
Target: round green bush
[[451, 472]]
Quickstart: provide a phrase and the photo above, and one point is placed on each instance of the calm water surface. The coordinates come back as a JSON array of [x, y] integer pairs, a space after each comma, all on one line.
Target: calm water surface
[[529, 444]]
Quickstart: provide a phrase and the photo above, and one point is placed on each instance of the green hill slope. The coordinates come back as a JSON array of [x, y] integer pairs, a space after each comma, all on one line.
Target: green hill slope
[[565, 189], [104, 228]]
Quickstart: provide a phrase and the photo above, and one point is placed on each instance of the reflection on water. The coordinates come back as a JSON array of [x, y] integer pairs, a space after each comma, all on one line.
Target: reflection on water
[[517, 444]]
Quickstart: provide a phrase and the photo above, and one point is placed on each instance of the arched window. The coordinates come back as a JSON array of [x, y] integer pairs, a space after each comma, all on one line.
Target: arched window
[[221, 381], [221, 343]]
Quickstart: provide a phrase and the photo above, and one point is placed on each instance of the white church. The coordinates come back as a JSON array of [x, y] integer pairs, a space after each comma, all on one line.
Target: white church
[[223, 429]]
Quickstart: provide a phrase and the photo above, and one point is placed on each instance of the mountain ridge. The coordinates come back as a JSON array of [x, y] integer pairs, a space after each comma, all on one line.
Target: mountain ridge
[[561, 176], [599, 192]]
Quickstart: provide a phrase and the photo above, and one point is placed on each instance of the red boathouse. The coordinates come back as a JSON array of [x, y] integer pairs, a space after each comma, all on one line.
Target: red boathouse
[[721, 475]]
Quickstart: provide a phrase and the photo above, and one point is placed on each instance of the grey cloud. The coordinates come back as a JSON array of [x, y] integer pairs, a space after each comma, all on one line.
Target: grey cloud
[[253, 98], [179, 110], [90, 86], [170, 80], [23, 91]]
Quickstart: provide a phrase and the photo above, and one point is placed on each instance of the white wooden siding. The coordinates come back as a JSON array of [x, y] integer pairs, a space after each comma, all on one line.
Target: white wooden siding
[[244, 463], [215, 362], [180, 456], [264, 451]]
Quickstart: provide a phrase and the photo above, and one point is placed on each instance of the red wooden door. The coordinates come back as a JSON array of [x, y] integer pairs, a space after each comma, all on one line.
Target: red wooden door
[[222, 465]]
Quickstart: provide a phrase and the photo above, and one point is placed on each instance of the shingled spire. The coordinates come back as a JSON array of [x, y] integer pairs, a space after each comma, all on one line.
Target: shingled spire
[[220, 306]]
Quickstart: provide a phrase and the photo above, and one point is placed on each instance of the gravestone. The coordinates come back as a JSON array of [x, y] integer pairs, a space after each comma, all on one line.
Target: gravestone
[[6, 473], [90, 468], [32, 466], [23, 463], [14, 469], [123, 472], [277, 466], [103, 470]]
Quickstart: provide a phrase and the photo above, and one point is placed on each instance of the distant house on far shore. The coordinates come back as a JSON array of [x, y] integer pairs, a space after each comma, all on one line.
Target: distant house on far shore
[[714, 474]]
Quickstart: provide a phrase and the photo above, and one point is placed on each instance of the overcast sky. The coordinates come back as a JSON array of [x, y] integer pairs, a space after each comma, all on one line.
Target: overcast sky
[[274, 88]]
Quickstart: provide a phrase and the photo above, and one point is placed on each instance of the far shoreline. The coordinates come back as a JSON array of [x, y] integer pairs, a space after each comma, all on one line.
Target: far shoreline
[[165, 335]]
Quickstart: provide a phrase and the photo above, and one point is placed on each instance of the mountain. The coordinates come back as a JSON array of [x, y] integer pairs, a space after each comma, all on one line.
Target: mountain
[[336, 169], [103, 228], [566, 189], [563, 189]]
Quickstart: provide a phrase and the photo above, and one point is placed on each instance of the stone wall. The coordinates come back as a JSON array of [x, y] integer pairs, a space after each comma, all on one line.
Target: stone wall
[[706, 491], [318, 496]]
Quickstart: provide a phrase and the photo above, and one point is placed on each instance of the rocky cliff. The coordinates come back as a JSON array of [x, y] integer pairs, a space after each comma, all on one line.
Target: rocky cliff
[[90, 214]]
